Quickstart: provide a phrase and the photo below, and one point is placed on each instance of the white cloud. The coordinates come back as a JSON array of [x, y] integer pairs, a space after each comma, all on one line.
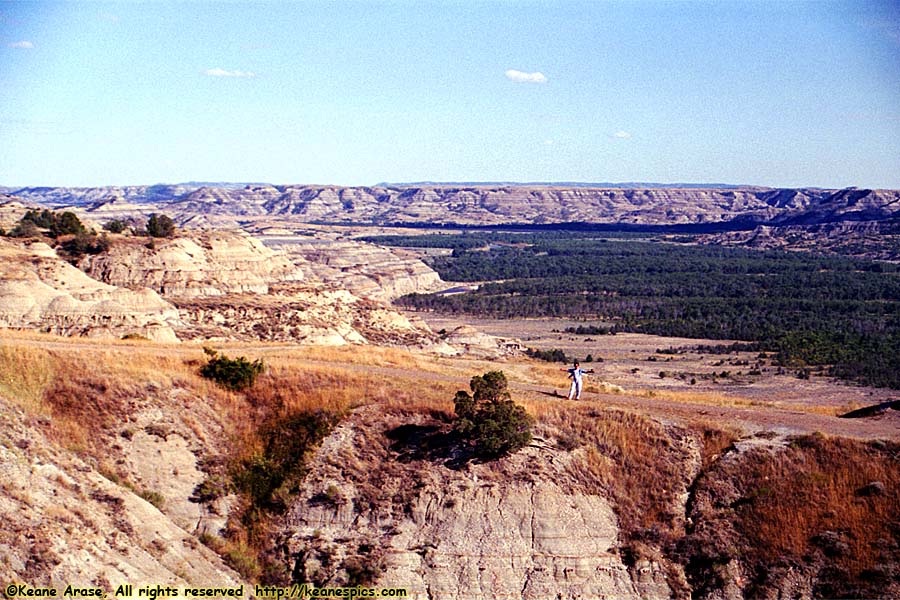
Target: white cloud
[[23, 44], [217, 72], [520, 77], [622, 135]]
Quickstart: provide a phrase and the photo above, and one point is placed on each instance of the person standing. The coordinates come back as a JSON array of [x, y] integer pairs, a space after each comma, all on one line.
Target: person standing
[[576, 373]]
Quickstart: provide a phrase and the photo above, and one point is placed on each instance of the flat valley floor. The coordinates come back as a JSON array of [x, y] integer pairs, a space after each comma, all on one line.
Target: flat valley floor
[[660, 382]]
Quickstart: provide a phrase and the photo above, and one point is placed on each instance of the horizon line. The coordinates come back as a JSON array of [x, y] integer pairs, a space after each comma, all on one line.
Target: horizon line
[[11, 189]]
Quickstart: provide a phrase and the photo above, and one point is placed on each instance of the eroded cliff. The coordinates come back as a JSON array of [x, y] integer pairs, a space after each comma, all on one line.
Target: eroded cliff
[[390, 491], [40, 291]]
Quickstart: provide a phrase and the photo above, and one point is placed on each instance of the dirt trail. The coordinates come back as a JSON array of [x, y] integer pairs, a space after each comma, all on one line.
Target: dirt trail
[[748, 418]]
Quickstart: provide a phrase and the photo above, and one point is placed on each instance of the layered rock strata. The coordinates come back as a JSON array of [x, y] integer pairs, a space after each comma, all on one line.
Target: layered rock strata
[[366, 270], [305, 313], [40, 291], [212, 264], [497, 204], [514, 530]]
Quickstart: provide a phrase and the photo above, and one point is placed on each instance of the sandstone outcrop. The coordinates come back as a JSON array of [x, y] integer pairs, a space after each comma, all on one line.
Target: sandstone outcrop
[[229, 286], [518, 529], [11, 211], [304, 313], [39, 291], [476, 343], [212, 264], [65, 523], [366, 270]]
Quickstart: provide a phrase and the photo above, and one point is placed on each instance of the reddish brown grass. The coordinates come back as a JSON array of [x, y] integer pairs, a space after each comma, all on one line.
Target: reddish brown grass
[[815, 486], [793, 508]]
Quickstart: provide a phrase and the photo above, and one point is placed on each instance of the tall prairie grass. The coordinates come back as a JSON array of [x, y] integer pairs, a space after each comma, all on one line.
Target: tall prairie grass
[[24, 375], [632, 459]]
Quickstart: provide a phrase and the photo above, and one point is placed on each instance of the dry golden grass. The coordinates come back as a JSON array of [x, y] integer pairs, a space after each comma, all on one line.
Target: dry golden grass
[[629, 457], [813, 487], [84, 385], [288, 387], [544, 373], [707, 398], [715, 440], [373, 356], [24, 375]]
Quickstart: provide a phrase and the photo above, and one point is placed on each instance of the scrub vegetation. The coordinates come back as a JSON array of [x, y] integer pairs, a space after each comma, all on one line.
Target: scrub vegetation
[[685, 494], [837, 313]]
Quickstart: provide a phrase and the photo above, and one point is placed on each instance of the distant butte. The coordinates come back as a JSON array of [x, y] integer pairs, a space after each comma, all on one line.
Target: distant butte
[[741, 207]]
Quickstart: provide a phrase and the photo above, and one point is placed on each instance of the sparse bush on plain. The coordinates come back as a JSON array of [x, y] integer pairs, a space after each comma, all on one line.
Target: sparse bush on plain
[[554, 355], [234, 373], [590, 330], [489, 419], [135, 336]]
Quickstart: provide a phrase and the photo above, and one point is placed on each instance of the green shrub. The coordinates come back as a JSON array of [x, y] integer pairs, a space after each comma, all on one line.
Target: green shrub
[[160, 226], [489, 419], [270, 476], [153, 497], [25, 229], [115, 226], [67, 224], [135, 336], [234, 373], [554, 355], [212, 488], [84, 243], [58, 224]]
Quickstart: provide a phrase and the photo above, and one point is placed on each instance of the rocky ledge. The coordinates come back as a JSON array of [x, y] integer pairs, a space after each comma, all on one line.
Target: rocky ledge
[[40, 291]]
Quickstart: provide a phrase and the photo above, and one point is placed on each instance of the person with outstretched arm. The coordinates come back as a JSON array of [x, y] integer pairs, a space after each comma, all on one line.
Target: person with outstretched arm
[[575, 374]]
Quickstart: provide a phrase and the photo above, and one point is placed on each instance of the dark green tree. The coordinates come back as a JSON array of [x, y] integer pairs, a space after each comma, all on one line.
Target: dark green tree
[[115, 226], [57, 224], [25, 229], [67, 224], [160, 226], [489, 419]]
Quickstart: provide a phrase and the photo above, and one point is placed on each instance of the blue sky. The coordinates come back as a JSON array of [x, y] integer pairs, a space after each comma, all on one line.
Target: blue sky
[[355, 93]]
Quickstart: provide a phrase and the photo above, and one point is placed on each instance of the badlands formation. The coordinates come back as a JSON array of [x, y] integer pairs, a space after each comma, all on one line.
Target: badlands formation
[[39, 291], [488, 204], [118, 461], [857, 222], [217, 285]]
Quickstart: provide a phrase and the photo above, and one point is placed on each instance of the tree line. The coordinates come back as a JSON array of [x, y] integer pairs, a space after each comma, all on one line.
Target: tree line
[[839, 312]]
